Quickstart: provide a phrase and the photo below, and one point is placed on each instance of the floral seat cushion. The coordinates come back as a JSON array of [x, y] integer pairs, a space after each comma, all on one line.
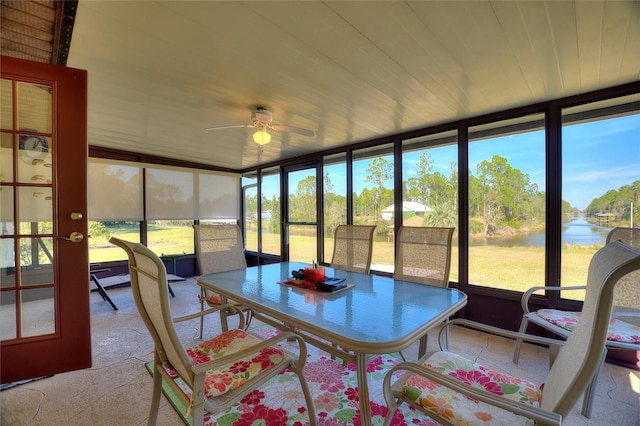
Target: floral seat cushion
[[619, 331], [221, 380], [459, 409]]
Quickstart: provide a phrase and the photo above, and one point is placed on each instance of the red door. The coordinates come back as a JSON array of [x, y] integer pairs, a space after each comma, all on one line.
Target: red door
[[44, 261]]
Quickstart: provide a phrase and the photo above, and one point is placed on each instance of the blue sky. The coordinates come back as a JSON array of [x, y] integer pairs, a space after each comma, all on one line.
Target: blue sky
[[598, 156]]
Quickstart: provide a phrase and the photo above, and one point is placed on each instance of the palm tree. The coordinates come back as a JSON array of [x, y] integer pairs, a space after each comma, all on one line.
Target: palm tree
[[443, 215]]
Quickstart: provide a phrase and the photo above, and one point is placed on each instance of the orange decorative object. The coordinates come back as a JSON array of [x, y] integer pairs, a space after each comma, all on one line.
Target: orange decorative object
[[314, 275]]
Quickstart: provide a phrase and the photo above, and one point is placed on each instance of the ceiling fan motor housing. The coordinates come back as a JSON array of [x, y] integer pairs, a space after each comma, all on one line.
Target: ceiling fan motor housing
[[261, 116]]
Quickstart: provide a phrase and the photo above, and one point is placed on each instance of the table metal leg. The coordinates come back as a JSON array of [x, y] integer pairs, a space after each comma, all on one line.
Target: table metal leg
[[363, 389]]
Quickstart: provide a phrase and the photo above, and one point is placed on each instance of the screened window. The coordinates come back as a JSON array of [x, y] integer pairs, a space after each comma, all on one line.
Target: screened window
[[250, 209], [600, 180], [373, 200], [334, 176], [430, 185], [271, 219], [507, 203]]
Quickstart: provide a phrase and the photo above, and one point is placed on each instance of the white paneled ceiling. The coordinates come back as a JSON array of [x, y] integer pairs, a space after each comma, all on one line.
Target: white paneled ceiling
[[160, 72]]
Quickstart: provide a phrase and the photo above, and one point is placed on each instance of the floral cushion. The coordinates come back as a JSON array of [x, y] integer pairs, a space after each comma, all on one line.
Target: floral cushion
[[222, 379], [458, 409], [619, 331]]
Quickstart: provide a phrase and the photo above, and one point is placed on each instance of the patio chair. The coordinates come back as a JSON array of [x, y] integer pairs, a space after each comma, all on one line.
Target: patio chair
[[423, 255], [219, 248], [204, 367], [352, 248], [453, 390], [624, 330]]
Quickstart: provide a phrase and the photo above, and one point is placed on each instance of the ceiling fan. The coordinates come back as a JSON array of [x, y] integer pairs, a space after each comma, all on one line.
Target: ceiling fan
[[261, 119]]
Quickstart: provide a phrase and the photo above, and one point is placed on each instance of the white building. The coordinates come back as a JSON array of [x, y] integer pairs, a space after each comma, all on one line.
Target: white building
[[407, 206]]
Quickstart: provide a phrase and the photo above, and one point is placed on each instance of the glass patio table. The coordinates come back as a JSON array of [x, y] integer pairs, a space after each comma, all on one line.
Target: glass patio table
[[377, 315]]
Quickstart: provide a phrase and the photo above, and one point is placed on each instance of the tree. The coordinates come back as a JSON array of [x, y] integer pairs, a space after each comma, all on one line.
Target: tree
[[442, 215], [274, 223], [618, 202], [506, 195], [379, 171], [419, 187], [302, 204]]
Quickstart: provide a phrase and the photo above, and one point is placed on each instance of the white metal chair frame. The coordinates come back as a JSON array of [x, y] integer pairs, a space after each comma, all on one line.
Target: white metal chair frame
[[628, 236], [575, 362], [149, 286]]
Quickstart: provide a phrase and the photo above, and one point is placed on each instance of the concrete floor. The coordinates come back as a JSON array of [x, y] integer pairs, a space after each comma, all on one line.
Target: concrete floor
[[117, 389]]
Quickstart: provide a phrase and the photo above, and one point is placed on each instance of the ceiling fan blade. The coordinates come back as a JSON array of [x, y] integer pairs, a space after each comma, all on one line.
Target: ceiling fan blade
[[235, 126], [292, 129]]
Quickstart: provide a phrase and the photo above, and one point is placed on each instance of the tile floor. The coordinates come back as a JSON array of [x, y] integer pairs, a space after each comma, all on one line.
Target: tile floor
[[117, 389]]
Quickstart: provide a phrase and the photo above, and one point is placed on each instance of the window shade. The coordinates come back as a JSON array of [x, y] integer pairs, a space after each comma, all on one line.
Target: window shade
[[218, 197], [170, 195], [115, 191]]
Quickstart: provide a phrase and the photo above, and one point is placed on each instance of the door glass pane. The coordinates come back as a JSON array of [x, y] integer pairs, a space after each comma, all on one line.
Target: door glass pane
[[34, 153], [334, 198], [430, 185], [600, 181], [35, 206], [373, 200], [303, 240], [8, 315], [6, 157], [35, 107], [36, 261], [250, 207], [507, 204], [6, 104], [6, 210], [302, 196], [7, 262], [37, 312], [270, 208]]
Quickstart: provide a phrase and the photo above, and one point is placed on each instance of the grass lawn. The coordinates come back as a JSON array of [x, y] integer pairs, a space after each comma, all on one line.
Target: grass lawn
[[509, 268]]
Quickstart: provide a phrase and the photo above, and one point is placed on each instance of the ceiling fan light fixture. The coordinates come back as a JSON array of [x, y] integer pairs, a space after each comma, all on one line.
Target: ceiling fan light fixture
[[261, 137]]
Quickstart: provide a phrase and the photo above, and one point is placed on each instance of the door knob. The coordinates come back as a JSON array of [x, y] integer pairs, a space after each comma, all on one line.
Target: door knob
[[74, 237]]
